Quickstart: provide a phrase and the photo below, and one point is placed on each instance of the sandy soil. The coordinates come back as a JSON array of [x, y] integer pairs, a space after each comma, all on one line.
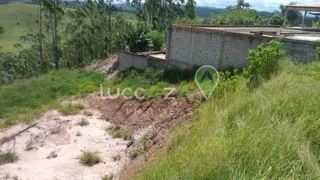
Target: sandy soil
[[57, 141], [60, 136]]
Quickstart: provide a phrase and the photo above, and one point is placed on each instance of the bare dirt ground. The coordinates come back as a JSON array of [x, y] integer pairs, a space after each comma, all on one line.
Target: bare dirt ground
[[155, 116], [52, 148], [56, 142], [55, 146]]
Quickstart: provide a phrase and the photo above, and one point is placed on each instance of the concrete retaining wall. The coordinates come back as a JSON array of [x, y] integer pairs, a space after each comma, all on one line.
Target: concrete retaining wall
[[187, 47], [129, 60], [299, 50]]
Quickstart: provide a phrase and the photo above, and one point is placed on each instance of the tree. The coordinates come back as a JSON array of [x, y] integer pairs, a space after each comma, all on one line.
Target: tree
[[292, 15], [241, 4], [159, 13], [54, 13], [190, 9]]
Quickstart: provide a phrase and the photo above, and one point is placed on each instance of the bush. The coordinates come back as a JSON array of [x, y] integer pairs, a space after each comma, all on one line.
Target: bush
[[139, 38], [90, 159], [264, 62], [158, 38]]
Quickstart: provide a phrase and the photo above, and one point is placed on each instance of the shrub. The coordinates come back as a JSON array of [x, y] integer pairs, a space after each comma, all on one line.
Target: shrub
[[139, 38], [158, 38], [264, 62], [90, 159], [8, 157]]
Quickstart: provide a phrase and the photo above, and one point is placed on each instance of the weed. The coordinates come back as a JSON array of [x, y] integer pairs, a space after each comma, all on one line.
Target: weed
[[118, 132], [8, 157], [55, 130], [71, 109], [116, 157], [83, 122], [90, 159], [318, 53], [87, 113], [108, 177], [78, 134], [29, 145], [133, 154]]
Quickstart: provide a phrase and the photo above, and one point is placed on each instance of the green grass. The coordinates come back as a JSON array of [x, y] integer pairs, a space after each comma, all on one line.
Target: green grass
[[27, 99], [270, 133], [153, 81], [71, 109], [17, 19]]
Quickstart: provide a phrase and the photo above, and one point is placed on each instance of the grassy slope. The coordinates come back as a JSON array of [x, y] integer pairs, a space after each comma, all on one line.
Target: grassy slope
[[271, 133], [27, 99], [10, 16]]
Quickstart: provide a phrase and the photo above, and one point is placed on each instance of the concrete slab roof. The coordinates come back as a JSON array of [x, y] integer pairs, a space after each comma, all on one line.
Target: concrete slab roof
[[304, 7], [307, 34]]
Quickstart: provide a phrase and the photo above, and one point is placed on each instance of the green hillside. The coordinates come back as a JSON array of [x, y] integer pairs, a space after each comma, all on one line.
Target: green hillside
[[17, 19], [270, 133]]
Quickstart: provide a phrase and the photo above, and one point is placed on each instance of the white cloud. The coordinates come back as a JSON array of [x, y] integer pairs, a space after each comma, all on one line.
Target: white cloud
[[261, 5]]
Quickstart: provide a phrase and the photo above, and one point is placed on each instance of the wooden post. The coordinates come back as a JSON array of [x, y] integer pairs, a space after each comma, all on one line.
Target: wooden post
[[285, 18], [304, 17]]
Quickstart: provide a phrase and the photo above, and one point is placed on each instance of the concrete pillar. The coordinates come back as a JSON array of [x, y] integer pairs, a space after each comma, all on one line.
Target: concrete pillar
[[304, 18]]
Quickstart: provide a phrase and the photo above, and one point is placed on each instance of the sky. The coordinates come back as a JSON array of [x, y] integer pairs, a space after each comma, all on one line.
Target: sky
[[260, 5]]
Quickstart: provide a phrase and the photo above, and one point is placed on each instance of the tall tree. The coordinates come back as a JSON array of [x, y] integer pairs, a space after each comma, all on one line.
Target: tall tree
[[159, 13], [190, 9], [54, 14]]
